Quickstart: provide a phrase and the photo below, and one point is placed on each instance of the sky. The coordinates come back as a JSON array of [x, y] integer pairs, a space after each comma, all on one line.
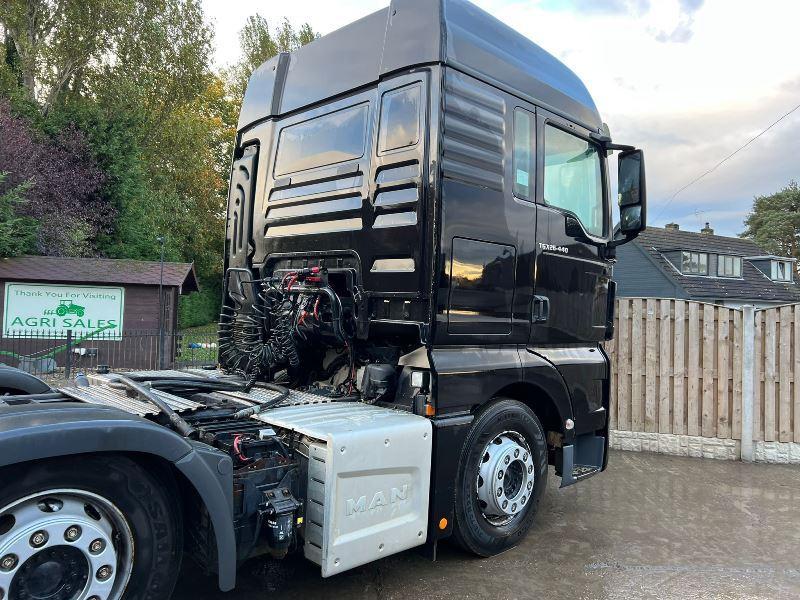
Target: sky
[[689, 81]]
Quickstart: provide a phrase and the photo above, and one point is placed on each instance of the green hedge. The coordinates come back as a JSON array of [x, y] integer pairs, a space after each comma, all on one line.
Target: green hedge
[[199, 308]]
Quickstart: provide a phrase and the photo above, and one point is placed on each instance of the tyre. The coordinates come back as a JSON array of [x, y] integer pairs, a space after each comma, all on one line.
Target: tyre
[[502, 475], [88, 527]]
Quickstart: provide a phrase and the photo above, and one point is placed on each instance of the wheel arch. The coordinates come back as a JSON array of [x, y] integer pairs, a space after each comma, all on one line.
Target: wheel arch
[[37, 432], [551, 414], [16, 381]]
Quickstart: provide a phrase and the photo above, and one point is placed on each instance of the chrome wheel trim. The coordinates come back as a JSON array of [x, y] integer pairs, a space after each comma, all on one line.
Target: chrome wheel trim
[[506, 476], [67, 519]]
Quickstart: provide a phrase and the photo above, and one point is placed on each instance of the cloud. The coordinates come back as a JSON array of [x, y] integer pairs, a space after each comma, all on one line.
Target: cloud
[[702, 140], [612, 7], [680, 35], [689, 6], [792, 86], [682, 32]]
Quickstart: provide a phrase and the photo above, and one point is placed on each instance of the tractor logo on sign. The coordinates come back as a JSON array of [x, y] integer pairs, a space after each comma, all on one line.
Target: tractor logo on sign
[[66, 307]]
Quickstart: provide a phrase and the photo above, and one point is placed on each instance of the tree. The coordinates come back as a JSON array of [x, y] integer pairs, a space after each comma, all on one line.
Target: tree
[[112, 116], [161, 65], [63, 185], [258, 44], [57, 41], [17, 233], [774, 222]]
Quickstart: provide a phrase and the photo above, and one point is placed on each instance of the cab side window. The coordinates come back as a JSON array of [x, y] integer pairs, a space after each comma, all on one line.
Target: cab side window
[[573, 178], [399, 126], [524, 135]]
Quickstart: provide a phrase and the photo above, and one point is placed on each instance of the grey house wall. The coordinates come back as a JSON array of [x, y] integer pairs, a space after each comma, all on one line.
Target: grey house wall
[[637, 275]]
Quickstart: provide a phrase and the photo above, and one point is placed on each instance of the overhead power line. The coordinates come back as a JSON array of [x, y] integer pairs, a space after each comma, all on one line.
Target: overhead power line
[[724, 160]]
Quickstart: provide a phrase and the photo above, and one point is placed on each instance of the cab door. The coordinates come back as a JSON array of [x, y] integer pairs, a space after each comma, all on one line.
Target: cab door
[[571, 277]]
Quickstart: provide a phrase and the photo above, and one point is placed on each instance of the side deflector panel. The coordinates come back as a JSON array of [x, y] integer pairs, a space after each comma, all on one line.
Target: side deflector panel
[[474, 148], [239, 229]]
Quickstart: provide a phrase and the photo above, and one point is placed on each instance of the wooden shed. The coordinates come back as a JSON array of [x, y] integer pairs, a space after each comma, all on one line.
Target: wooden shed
[[101, 300]]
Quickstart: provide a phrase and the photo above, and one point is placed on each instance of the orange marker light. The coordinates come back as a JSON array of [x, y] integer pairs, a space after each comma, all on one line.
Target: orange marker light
[[429, 410], [443, 523]]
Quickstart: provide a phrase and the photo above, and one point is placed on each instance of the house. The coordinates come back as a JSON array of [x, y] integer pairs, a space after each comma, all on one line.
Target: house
[[670, 263]]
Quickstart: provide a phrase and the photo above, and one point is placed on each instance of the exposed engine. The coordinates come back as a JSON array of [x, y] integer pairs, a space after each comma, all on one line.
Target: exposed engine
[[270, 327], [307, 329], [267, 481]]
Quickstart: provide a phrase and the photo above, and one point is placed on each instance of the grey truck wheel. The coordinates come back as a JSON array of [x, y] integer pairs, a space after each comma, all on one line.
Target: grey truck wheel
[[502, 475], [88, 528]]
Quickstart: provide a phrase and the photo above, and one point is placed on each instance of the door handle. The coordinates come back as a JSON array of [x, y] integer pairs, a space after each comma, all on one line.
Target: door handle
[[541, 309]]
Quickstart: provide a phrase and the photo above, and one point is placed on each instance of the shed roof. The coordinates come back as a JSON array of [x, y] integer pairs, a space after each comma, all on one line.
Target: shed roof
[[57, 269], [753, 285], [410, 33]]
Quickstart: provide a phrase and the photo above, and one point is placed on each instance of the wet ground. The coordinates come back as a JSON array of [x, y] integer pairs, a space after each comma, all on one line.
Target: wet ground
[[649, 527]]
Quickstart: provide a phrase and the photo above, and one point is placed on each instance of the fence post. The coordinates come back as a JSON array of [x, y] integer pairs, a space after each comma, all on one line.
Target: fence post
[[68, 357], [748, 380]]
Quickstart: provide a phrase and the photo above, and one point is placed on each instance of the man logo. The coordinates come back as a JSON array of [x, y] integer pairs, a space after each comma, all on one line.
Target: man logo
[[396, 495]]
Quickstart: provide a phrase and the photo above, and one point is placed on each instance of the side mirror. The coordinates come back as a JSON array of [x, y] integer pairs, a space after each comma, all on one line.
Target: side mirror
[[632, 193]]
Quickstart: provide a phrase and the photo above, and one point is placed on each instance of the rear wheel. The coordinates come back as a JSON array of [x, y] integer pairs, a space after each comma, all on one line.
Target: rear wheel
[[87, 528], [502, 475]]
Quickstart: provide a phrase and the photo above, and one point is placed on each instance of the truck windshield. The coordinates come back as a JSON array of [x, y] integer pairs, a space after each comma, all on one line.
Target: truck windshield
[[573, 178]]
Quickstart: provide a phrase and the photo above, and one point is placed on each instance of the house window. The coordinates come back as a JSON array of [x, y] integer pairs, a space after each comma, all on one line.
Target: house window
[[729, 266], [694, 263], [781, 270]]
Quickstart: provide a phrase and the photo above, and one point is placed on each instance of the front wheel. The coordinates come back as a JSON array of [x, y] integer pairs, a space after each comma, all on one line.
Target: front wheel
[[502, 475], [87, 528]]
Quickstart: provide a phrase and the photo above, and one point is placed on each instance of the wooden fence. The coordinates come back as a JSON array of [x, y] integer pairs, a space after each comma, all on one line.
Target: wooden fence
[[677, 368]]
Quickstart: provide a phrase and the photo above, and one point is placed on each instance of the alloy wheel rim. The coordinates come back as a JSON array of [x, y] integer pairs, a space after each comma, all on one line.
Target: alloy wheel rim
[[64, 544], [505, 480]]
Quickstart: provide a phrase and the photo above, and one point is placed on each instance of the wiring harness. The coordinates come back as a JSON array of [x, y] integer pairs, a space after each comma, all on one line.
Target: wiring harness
[[264, 321]]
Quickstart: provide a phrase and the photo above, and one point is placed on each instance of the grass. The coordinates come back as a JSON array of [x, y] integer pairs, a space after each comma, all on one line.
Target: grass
[[204, 335]]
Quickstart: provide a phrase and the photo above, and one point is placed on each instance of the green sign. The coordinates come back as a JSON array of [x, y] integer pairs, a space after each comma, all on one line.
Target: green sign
[[49, 309]]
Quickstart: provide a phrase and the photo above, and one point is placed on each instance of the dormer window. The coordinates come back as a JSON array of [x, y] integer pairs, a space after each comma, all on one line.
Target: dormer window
[[694, 263], [781, 270], [729, 266]]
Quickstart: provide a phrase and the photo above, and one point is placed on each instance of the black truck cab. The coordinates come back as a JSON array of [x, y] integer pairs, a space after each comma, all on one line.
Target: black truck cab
[[450, 179]]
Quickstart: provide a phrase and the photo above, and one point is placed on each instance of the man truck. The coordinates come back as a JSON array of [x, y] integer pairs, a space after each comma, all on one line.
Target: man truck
[[418, 261]]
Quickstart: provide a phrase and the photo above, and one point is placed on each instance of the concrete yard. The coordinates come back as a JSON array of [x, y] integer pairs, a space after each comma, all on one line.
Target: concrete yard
[[651, 526]]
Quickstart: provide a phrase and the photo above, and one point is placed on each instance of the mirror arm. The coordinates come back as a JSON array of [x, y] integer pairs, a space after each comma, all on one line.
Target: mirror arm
[[619, 241], [605, 141], [620, 147]]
